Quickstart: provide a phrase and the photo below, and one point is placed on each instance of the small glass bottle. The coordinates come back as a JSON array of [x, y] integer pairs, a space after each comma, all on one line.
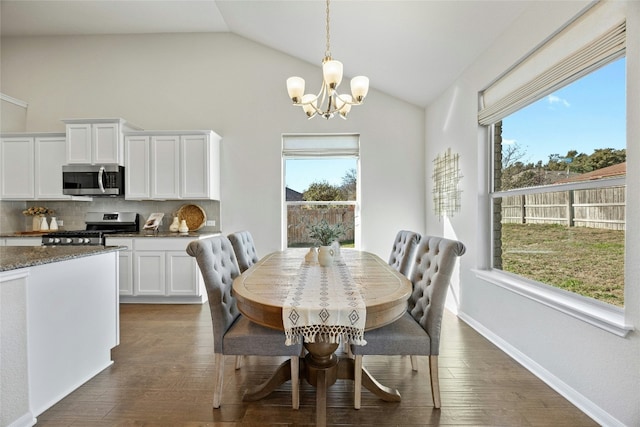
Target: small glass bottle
[[54, 223], [43, 224]]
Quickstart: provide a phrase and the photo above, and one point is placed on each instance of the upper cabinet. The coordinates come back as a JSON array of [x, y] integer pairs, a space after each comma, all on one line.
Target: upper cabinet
[[31, 166], [96, 141], [172, 165]]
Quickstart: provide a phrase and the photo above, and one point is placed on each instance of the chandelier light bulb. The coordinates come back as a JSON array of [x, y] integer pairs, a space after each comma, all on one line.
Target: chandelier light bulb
[[332, 73], [295, 87], [359, 88], [310, 105]]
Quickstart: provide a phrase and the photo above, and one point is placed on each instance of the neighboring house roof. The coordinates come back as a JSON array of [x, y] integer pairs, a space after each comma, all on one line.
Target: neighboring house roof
[[608, 172], [293, 195]]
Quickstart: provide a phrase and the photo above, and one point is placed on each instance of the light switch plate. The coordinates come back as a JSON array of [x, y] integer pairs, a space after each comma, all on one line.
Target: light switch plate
[[211, 223]]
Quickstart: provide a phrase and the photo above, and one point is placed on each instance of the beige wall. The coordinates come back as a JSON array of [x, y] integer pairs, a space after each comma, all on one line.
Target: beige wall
[[237, 88]]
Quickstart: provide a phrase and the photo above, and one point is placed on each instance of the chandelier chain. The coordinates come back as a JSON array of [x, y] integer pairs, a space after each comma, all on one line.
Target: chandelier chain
[[327, 53]]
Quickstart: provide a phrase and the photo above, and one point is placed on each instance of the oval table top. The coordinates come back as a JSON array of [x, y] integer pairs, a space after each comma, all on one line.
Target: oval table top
[[262, 289]]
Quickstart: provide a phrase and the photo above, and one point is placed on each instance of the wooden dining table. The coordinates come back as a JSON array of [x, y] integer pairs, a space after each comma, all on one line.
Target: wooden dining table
[[261, 292]]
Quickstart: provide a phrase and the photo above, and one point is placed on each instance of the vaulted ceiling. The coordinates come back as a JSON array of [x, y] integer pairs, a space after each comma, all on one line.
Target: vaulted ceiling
[[409, 49]]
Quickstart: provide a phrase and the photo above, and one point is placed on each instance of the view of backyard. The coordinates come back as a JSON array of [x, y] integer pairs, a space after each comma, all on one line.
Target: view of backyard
[[565, 257]]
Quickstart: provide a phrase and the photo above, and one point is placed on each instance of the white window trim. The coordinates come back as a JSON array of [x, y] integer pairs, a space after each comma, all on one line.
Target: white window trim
[[596, 313], [301, 146], [599, 314]]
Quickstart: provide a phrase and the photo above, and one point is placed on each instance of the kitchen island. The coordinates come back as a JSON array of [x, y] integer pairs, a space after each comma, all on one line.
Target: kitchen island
[[60, 321]]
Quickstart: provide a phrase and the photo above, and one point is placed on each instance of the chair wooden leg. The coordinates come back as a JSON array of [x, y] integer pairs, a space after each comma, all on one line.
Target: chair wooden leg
[[239, 359], [414, 363], [435, 381], [295, 382], [357, 381], [218, 375]]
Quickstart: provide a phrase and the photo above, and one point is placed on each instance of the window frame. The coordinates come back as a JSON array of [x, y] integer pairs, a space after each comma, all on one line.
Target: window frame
[[317, 150], [597, 313]]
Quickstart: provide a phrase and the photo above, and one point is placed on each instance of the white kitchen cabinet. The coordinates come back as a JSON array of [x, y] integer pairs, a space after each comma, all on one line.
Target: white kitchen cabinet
[[50, 155], [165, 167], [18, 168], [32, 166], [96, 141], [149, 273], [125, 258], [158, 270], [172, 165], [137, 167]]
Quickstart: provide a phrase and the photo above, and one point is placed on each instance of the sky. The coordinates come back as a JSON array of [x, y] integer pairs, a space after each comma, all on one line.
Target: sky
[[302, 172], [585, 115]]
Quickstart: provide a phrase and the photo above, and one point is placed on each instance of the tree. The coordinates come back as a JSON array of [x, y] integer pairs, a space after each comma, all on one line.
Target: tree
[[348, 187], [321, 191]]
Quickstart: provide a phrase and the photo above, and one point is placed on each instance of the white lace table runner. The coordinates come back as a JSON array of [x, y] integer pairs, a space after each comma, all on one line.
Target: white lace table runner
[[324, 304]]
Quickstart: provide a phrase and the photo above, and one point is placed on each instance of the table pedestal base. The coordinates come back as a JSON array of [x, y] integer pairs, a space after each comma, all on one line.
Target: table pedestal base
[[321, 367]]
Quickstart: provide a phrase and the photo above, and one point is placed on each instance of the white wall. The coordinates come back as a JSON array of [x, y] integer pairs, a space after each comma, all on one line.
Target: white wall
[[598, 371], [237, 88]]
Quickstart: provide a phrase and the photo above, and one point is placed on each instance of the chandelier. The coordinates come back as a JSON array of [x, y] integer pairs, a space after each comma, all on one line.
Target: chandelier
[[328, 101]]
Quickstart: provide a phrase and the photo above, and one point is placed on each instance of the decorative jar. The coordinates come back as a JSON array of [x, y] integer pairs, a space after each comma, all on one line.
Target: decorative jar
[[175, 225], [325, 256]]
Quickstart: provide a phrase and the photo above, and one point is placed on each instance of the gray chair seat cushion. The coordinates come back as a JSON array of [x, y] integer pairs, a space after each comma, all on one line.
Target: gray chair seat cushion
[[405, 336], [246, 337]]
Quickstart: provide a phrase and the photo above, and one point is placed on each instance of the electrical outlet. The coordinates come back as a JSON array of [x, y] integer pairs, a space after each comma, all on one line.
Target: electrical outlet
[[60, 223], [211, 223]]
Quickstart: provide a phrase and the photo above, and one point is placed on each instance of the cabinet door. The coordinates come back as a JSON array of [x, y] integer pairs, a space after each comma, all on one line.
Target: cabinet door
[[165, 164], [126, 264], [149, 273], [106, 145], [51, 154], [137, 173], [126, 273], [194, 170], [182, 274], [79, 143], [18, 170]]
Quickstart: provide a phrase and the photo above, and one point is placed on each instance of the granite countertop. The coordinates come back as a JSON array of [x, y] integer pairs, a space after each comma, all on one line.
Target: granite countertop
[[15, 257], [149, 233], [143, 233]]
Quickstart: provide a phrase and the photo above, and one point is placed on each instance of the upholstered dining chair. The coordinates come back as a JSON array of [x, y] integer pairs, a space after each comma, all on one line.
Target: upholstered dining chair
[[244, 248], [417, 332], [234, 334], [402, 251]]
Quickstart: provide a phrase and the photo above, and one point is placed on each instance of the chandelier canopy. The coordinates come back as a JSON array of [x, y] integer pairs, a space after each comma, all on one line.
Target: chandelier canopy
[[328, 101]]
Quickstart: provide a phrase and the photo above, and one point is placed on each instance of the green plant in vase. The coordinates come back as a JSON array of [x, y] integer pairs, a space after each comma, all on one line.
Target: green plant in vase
[[324, 233]]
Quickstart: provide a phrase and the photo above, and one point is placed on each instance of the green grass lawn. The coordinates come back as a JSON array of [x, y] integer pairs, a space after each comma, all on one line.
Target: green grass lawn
[[587, 261]]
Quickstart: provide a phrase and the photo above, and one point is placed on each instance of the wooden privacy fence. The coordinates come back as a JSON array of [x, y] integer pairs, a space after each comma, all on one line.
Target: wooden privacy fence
[[300, 216], [595, 208]]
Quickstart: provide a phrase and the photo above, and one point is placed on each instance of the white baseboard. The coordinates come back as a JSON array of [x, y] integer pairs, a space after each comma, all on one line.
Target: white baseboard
[[26, 420], [580, 401]]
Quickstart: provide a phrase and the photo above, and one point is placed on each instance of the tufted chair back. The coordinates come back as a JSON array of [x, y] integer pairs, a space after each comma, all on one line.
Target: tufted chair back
[[433, 266], [244, 248], [402, 252], [218, 265]]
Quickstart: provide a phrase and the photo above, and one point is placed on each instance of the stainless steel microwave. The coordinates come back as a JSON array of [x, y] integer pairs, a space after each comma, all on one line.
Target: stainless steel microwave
[[93, 180]]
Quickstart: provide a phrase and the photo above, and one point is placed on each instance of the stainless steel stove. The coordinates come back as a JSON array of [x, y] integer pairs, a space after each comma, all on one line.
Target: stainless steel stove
[[98, 225]]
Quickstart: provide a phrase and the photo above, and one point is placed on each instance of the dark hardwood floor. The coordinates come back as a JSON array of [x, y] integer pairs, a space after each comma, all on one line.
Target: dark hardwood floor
[[163, 376]]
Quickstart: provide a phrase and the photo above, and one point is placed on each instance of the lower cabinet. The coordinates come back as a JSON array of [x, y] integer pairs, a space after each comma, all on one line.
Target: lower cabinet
[[158, 270]]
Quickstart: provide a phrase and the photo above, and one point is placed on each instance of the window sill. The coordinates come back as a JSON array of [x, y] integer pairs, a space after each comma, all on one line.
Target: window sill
[[596, 313]]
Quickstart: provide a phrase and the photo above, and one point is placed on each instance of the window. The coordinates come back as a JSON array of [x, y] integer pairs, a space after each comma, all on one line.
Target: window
[[557, 135], [559, 193], [320, 176]]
